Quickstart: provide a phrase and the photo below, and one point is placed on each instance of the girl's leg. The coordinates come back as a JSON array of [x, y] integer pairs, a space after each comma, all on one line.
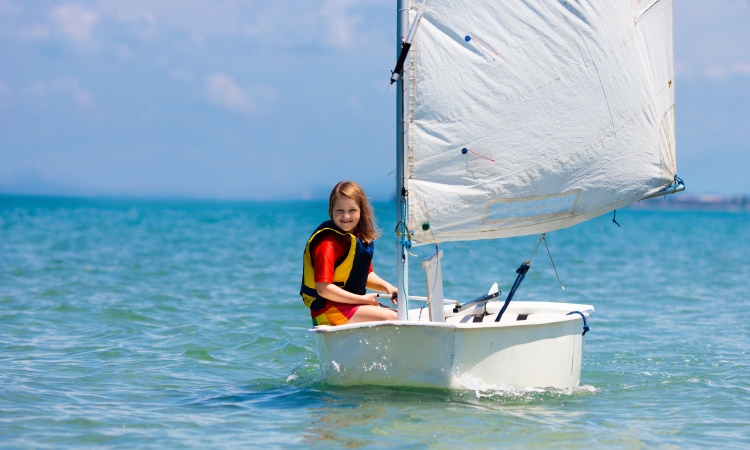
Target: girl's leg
[[371, 313]]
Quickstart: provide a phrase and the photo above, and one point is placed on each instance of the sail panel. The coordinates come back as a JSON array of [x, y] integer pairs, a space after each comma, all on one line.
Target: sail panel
[[527, 116]]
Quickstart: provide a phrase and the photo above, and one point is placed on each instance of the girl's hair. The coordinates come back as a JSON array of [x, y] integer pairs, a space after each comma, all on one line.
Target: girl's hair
[[367, 229]]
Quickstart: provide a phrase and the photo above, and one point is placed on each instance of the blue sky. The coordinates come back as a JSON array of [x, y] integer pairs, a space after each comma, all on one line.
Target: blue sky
[[276, 99]]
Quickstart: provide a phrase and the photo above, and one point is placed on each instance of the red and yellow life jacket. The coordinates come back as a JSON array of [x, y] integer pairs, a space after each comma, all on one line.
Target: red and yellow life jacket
[[350, 272]]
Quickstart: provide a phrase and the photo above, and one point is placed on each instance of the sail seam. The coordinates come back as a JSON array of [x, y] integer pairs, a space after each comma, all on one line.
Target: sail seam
[[601, 83], [646, 11]]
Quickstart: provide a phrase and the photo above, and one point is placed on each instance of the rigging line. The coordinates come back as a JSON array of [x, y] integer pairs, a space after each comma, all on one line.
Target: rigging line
[[468, 150], [486, 47], [553, 264], [402, 231], [521, 271], [614, 219], [537, 248]]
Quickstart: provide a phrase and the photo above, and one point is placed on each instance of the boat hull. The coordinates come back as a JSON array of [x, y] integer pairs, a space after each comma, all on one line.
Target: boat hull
[[543, 349]]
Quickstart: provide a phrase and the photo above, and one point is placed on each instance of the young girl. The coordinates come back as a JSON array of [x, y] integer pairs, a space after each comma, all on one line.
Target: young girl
[[337, 263]]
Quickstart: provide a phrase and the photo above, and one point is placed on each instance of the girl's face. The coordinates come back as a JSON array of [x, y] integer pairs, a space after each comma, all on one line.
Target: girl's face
[[345, 213]]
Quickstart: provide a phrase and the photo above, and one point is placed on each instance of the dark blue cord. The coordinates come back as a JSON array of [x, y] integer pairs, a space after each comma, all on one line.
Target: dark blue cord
[[521, 271], [585, 324]]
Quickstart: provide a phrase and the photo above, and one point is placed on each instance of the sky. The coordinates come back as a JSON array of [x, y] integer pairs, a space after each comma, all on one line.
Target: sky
[[270, 100]]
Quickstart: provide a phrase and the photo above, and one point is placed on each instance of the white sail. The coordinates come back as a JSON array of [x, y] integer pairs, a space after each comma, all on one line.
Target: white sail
[[526, 116]]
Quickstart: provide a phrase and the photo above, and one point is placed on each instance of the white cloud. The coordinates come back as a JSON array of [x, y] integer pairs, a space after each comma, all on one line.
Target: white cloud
[[332, 24], [224, 92], [8, 7], [723, 72], [66, 87], [211, 18], [711, 39], [143, 23], [123, 52], [76, 23], [339, 25], [336, 24], [70, 86]]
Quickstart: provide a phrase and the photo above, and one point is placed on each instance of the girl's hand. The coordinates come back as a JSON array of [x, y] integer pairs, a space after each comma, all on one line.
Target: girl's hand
[[394, 294], [371, 299]]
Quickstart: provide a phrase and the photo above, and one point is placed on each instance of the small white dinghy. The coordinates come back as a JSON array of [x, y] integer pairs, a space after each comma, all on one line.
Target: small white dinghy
[[515, 117], [537, 344]]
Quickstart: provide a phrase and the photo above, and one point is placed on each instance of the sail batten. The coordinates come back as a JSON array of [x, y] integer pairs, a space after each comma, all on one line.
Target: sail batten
[[529, 116]]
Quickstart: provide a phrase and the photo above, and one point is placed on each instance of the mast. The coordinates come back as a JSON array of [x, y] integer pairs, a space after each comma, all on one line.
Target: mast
[[402, 277]]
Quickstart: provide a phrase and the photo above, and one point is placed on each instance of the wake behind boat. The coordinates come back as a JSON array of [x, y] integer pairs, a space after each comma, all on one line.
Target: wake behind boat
[[514, 118]]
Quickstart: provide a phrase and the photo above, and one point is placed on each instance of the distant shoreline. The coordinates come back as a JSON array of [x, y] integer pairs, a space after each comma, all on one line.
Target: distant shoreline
[[696, 202], [677, 202]]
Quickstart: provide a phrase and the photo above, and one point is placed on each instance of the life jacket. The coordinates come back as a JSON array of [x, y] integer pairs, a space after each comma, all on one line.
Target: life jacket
[[350, 272]]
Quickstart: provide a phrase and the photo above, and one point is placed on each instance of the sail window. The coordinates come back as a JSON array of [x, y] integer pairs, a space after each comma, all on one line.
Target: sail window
[[538, 207]]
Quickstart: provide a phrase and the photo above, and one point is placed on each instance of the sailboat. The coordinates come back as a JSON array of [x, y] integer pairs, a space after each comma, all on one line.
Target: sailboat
[[515, 117]]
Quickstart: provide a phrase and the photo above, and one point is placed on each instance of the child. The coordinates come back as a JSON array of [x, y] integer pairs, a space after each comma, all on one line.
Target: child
[[337, 263]]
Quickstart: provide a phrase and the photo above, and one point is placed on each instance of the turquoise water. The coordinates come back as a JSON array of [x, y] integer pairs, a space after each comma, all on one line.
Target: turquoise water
[[152, 324]]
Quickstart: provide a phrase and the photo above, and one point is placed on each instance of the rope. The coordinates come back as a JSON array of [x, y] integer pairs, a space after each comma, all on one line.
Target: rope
[[521, 271], [405, 241], [468, 150], [537, 248], [484, 46], [585, 324], [553, 263]]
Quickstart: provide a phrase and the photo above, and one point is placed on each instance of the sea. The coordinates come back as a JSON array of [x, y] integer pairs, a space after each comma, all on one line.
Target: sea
[[128, 323]]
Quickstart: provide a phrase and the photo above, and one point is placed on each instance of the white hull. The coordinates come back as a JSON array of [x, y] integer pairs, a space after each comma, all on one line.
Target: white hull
[[544, 350]]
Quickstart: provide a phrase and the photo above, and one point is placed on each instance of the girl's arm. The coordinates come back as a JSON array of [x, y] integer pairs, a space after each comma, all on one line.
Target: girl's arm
[[336, 294], [376, 283]]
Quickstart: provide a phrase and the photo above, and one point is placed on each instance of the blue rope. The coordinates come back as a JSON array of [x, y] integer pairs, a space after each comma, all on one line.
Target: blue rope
[[405, 242], [585, 324], [521, 271]]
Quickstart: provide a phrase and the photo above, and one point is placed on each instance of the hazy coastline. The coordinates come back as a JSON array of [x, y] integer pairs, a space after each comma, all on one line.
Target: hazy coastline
[[682, 201]]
